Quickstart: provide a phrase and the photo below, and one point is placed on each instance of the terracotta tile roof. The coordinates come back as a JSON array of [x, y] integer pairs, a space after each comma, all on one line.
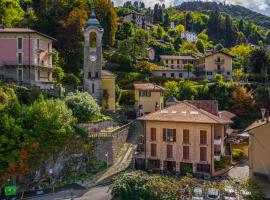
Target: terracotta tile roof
[[257, 124], [226, 114], [210, 106], [148, 86], [23, 30], [215, 52], [184, 112]]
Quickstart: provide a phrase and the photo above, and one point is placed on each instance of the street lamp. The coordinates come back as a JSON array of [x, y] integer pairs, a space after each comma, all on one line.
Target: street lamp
[[51, 178], [107, 159]]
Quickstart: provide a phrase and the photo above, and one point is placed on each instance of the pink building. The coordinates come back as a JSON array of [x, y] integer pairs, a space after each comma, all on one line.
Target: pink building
[[26, 57]]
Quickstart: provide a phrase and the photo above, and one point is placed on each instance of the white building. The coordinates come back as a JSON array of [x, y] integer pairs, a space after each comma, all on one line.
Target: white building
[[189, 36]]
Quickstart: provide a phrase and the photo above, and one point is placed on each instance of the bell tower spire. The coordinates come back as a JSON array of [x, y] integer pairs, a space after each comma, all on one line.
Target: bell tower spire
[[93, 33]]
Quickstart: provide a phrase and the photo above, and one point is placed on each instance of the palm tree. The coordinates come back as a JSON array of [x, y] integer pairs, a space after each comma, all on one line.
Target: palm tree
[[188, 67]]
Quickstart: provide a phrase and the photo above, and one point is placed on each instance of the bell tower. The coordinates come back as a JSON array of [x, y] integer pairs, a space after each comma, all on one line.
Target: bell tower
[[93, 33]]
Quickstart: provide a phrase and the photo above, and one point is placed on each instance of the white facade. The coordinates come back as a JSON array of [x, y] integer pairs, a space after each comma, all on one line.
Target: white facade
[[189, 36], [138, 18]]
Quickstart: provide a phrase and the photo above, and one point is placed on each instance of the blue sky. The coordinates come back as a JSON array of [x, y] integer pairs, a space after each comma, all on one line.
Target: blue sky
[[262, 6]]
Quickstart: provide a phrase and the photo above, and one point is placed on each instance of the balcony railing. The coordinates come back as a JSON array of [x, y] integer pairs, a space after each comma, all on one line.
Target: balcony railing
[[15, 63], [217, 141], [219, 61]]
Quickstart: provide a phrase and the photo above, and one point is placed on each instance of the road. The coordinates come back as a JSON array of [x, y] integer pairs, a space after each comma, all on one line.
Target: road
[[96, 193], [240, 171]]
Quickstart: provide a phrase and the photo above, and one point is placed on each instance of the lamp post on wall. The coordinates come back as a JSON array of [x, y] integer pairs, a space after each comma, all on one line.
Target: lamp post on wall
[[107, 159], [51, 178]]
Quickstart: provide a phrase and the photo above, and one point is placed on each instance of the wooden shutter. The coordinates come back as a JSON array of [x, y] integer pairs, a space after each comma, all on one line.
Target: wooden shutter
[[186, 136], [185, 152], [203, 153], [203, 137], [153, 134], [174, 135], [169, 151], [153, 150], [164, 135]]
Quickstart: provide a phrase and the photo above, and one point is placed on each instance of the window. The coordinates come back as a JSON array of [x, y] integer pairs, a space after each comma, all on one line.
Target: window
[[20, 74], [209, 73], [180, 75], [164, 74], [92, 40], [20, 58], [172, 66], [37, 43], [153, 134], [203, 137], [172, 75], [203, 168], [169, 151], [178, 62], [186, 136], [185, 152], [228, 73], [169, 135], [166, 61], [89, 74], [218, 67], [203, 153], [93, 88], [178, 66], [38, 74], [172, 61], [20, 43], [153, 150], [96, 74]]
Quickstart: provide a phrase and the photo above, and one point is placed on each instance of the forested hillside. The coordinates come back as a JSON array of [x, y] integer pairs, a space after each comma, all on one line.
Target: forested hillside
[[232, 10]]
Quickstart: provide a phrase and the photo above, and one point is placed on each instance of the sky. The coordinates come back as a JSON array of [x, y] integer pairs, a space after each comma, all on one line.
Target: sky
[[261, 6]]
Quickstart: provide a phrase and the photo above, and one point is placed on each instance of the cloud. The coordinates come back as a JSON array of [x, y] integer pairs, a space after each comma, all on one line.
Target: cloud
[[262, 6]]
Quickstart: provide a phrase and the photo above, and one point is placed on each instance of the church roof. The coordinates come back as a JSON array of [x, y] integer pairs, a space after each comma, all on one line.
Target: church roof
[[93, 21]]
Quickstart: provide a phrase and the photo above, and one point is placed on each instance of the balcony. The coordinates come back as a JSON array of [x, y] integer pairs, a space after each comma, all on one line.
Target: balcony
[[219, 61], [217, 155], [39, 50], [218, 141]]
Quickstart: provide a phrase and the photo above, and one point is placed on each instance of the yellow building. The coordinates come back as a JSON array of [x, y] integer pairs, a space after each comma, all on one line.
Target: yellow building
[[108, 85], [259, 148], [174, 66], [149, 97], [188, 135], [216, 63]]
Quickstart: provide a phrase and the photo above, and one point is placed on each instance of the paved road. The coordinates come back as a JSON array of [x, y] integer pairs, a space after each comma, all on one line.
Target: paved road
[[240, 171], [96, 193]]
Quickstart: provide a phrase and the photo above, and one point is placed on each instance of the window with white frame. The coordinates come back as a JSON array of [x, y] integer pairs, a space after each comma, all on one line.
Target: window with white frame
[[20, 74], [20, 43], [20, 58]]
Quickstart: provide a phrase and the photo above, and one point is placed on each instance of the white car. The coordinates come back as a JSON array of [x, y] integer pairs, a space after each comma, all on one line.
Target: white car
[[213, 194], [245, 194], [229, 193], [197, 193]]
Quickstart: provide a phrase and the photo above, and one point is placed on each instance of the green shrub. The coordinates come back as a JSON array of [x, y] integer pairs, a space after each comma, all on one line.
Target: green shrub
[[238, 154], [224, 160], [127, 97], [83, 106]]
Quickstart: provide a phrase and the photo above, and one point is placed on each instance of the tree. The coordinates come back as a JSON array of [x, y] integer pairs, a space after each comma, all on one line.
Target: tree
[[58, 74], [159, 32], [189, 68], [11, 12], [177, 43], [200, 46], [241, 38], [171, 89], [241, 27], [258, 60], [145, 67], [219, 47], [229, 32], [83, 106], [107, 16], [167, 21], [241, 52], [158, 14], [126, 30], [214, 24]]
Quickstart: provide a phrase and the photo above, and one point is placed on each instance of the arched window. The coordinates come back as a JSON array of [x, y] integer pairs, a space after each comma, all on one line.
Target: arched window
[[93, 40]]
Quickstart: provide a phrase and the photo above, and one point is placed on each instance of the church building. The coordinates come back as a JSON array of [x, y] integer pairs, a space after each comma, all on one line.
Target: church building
[[97, 82]]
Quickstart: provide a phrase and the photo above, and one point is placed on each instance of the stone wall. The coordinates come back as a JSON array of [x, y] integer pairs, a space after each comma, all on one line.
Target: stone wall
[[89, 127], [110, 145]]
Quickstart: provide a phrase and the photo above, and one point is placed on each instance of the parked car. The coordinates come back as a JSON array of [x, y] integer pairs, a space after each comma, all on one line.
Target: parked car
[[229, 193], [197, 193], [244, 194], [212, 194]]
